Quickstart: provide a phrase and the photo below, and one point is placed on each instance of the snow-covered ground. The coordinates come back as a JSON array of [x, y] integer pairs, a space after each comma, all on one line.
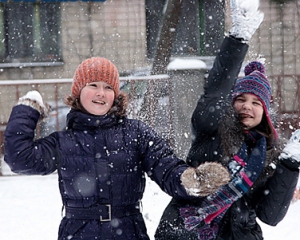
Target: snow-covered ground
[[31, 210]]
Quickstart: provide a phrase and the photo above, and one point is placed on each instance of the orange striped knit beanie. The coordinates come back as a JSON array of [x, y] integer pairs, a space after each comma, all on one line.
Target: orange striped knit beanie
[[95, 69]]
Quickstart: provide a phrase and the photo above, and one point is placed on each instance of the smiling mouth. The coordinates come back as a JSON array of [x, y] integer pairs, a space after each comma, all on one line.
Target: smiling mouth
[[243, 116], [99, 102]]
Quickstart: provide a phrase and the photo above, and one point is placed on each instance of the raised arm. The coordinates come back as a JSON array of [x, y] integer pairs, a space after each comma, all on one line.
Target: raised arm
[[23, 154], [212, 105], [218, 85]]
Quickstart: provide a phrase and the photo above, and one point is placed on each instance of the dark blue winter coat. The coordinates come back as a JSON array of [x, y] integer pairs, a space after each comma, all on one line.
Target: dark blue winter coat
[[217, 134], [101, 163]]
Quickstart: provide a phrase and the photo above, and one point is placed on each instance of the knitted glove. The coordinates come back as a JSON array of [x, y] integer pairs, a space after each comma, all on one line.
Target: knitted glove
[[34, 100], [205, 179], [290, 155], [246, 18]]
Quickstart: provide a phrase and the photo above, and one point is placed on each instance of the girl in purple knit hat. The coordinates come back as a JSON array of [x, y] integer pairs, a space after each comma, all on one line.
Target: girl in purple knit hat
[[232, 125]]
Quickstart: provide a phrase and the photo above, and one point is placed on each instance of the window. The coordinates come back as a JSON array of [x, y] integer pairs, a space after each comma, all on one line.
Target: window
[[29, 32], [212, 25], [200, 29]]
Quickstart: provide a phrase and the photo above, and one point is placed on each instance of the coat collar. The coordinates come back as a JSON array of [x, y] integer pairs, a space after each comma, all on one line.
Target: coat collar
[[83, 121], [232, 136]]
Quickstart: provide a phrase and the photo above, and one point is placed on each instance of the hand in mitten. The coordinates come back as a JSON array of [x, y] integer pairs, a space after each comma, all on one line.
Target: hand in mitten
[[205, 179], [34, 100], [246, 18], [290, 155], [296, 196]]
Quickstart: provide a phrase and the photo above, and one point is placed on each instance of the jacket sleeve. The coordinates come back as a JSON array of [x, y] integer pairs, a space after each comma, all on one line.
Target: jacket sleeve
[[218, 86], [23, 154], [160, 163], [277, 195], [212, 105]]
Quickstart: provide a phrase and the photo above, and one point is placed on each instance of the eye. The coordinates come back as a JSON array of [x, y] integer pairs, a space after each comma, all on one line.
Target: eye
[[240, 99], [257, 103], [109, 87], [92, 85]]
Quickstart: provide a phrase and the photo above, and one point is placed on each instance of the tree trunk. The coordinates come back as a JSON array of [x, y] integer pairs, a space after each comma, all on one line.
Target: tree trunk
[[166, 37]]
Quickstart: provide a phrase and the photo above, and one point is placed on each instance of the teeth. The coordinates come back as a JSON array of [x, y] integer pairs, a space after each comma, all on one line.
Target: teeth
[[100, 102]]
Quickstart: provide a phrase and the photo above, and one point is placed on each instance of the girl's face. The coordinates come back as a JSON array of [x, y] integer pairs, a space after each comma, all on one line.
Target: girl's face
[[97, 98], [249, 109]]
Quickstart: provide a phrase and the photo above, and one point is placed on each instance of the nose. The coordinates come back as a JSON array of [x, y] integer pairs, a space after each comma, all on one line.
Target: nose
[[246, 105], [100, 91]]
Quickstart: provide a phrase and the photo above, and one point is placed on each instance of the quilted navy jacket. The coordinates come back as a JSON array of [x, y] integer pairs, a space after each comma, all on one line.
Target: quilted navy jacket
[[100, 160]]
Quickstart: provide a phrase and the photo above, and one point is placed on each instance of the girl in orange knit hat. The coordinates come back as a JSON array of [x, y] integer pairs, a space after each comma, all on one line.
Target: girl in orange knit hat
[[102, 157]]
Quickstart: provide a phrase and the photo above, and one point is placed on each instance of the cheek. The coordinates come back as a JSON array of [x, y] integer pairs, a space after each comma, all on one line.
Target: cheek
[[111, 97], [236, 106], [84, 96], [259, 113]]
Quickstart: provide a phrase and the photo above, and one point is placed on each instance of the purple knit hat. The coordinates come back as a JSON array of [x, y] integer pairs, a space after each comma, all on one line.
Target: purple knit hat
[[255, 82]]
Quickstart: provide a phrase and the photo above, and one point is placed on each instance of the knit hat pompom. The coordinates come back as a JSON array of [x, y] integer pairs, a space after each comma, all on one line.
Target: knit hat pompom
[[254, 66], [95, 69]]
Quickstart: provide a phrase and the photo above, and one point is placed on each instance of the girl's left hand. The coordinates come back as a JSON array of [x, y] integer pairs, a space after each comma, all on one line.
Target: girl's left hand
[[291, 152]]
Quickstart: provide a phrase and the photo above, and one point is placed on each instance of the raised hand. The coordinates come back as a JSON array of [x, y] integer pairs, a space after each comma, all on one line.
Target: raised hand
[[35, 100], [246, 18]]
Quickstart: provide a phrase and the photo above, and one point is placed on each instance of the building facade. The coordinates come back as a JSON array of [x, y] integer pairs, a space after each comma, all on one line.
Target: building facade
[[47, 41]]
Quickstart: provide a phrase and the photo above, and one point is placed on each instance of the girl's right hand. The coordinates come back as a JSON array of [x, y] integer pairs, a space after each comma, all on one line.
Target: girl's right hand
[[204, 180], [34, 99]]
